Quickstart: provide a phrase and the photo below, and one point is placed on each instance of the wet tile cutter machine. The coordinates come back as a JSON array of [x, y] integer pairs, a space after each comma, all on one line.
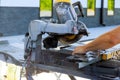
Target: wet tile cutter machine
[[53, 52]]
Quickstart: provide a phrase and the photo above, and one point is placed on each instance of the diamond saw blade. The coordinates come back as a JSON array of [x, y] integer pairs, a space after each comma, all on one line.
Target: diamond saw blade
[[69, 39]]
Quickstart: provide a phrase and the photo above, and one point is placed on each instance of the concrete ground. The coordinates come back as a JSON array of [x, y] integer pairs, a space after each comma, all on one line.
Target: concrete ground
[[52, 76]]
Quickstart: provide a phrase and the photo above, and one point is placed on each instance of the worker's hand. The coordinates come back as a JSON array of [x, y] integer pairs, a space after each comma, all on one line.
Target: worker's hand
[[79, 50]]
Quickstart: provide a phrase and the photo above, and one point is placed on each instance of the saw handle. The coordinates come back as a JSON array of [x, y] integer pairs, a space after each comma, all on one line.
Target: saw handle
[[80, 8]]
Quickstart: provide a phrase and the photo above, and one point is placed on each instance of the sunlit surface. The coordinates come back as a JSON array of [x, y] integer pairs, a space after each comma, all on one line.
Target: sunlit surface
[[51, 76]]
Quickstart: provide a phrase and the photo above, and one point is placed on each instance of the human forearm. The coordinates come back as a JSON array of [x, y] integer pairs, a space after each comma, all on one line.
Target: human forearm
[[104, 41], [100, 43]]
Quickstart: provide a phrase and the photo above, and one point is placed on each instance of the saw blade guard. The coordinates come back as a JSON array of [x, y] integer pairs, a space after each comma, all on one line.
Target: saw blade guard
[[72, 38]]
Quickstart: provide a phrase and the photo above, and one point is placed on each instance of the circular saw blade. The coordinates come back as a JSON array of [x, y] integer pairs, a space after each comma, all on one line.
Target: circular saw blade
[[69, 39]]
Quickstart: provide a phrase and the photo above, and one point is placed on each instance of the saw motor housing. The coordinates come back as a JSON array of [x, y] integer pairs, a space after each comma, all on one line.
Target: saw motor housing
[[65, 11]]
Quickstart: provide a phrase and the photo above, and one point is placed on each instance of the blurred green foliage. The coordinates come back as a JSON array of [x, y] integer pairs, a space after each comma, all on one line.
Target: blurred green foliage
[[46, 4], [91, 4], [110, 4]]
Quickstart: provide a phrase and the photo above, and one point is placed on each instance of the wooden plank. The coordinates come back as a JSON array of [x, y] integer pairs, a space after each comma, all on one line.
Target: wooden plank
[[8, 68], [13, 72]]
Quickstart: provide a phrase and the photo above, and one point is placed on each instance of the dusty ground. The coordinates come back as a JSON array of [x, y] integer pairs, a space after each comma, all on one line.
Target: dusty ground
[[51, 76]]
